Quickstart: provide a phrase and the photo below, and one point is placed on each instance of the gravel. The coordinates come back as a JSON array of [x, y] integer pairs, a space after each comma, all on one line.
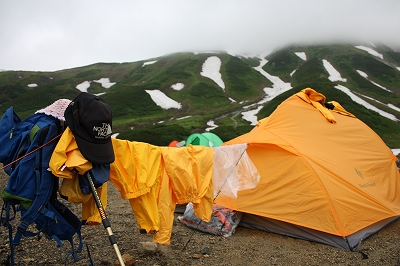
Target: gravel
[[190, 247]]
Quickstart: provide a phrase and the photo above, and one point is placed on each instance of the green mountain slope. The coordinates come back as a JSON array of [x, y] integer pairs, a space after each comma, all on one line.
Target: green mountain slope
[[373, 78]]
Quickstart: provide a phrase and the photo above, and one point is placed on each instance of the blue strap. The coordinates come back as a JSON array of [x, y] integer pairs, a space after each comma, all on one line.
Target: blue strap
[[10, 237], [76, 258], [21, 229], [5, 221], [81, 243], [88, 252], [37, 172], [46, 212], [7, 206], [11, 256], [72, 252], [59, 243]]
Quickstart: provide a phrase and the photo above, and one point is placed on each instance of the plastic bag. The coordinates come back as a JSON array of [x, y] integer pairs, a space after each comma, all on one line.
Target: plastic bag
[[223, 221]]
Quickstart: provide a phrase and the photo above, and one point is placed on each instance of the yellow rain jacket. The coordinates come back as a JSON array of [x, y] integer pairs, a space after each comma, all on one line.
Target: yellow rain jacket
[[136, 174], [187, 177], [67, 162], [154, 179]]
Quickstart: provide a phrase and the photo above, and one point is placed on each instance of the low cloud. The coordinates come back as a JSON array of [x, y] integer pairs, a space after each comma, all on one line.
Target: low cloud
[[47, 36]]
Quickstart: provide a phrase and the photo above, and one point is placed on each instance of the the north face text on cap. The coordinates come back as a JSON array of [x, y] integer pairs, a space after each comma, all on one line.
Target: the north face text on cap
[[103, 132]]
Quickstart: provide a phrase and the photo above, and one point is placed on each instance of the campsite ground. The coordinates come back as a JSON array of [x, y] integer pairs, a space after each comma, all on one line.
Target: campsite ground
[[244, 247]]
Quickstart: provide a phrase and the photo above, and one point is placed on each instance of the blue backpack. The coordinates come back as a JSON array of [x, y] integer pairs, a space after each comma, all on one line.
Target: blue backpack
[[26, 149]]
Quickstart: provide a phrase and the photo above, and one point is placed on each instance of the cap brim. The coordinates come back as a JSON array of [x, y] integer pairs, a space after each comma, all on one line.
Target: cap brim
[[102, 153]]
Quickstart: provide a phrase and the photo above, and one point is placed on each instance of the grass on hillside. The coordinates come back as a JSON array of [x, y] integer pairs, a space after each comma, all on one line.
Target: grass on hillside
[[202, 99], [282, 63]]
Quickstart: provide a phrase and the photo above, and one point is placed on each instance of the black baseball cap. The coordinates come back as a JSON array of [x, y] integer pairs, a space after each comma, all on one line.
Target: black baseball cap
[[90, 119]]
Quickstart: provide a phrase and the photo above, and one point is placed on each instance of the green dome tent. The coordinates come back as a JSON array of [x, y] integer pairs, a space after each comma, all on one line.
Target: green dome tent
[[207, 139]]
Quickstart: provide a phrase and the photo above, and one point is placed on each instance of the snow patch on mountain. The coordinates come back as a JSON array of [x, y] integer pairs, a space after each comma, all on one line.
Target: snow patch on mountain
[[365, 104], [278, 87], [211, 68], [365, 75], [211, 125], [370, 51], [177, 86], [389, 104], [149, 63], [163, 100], [105, 83], [302, 55], [251, 115], [83, 86], [334, 75]]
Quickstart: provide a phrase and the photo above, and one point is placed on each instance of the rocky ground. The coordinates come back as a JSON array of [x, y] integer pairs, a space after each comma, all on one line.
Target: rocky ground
[[190, 247]]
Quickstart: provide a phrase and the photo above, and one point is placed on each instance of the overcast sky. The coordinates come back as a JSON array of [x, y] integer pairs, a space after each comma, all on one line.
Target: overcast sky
[[49, 35]]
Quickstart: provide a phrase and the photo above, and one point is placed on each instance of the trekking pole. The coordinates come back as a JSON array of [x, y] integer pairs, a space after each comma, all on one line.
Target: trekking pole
[[106, 222]]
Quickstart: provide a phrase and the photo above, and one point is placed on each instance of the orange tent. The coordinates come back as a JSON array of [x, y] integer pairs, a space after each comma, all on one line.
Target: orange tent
[[173, 143], [325, 175]]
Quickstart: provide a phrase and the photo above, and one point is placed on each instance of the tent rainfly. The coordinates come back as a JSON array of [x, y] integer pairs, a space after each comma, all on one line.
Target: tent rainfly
[[207, 139], [325, 175]]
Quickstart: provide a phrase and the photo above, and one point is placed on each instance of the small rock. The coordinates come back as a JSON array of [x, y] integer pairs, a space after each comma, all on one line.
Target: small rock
[[128, 259], [148, 247], [28, 260], [205, 250], [165, 250], [196, 256]]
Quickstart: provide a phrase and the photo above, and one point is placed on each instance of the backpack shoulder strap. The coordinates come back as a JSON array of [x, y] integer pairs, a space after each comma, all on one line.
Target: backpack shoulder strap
[[45, 183]]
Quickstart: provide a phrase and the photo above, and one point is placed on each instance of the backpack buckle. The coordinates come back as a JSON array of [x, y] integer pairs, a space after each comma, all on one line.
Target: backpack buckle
[[22, 227]]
